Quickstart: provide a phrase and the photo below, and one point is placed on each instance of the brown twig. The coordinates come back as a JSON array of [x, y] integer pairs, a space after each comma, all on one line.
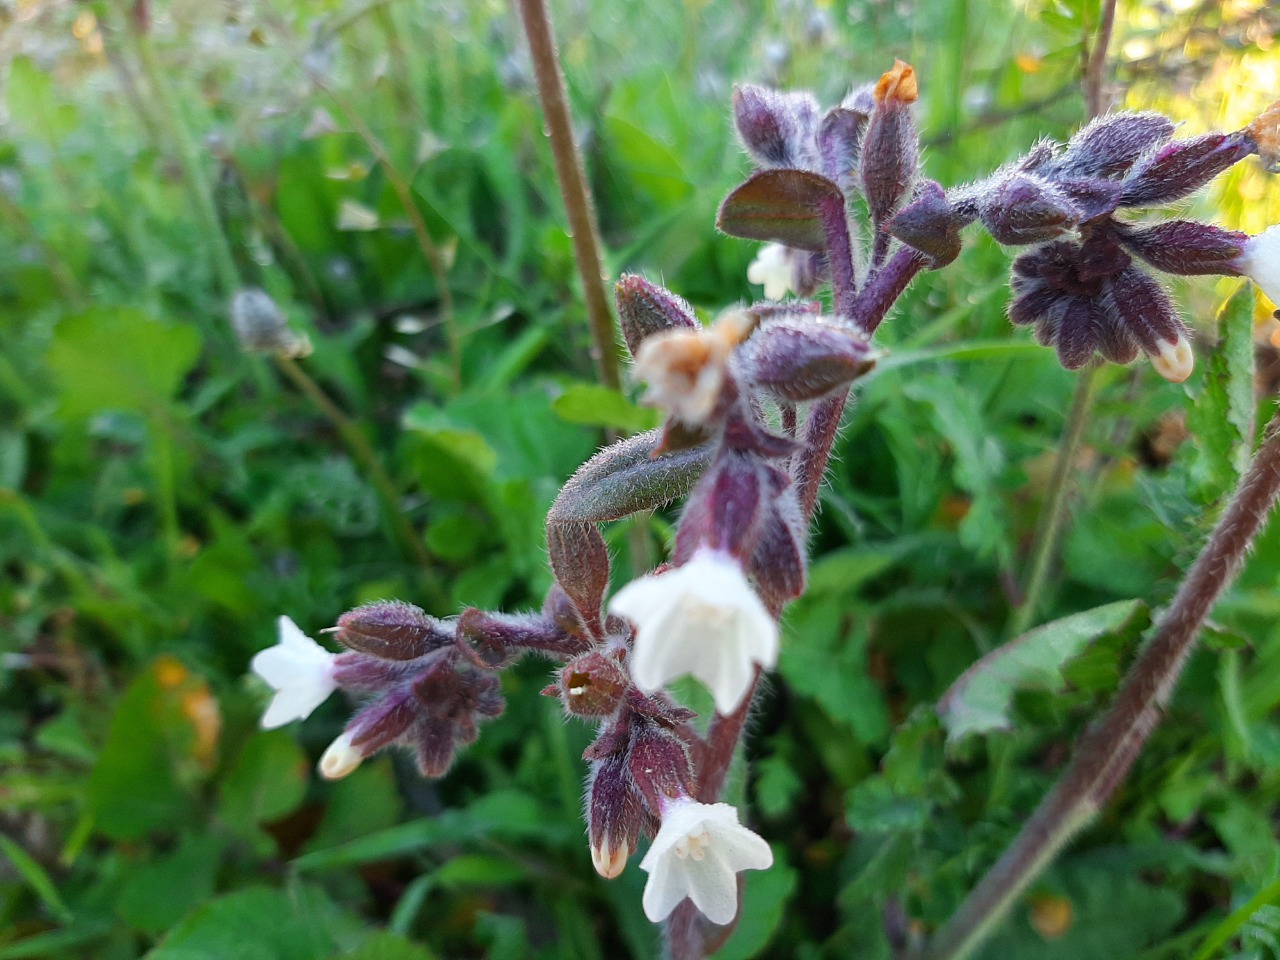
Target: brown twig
[[573, 189]]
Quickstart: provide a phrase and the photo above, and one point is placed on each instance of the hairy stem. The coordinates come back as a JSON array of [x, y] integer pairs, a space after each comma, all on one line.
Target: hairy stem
[[573, 189], [1044, 549], [363, 454], [1108, 749]]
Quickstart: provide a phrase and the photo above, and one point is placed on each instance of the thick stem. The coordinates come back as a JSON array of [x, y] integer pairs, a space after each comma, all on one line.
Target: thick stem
[[1049, 530], [573, 189], [1109, 748], [362, 453], [426, 243]]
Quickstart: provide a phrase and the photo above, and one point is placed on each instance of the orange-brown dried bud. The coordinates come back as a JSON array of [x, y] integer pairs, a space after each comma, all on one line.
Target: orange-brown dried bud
[[899, 85], [1265, 132]]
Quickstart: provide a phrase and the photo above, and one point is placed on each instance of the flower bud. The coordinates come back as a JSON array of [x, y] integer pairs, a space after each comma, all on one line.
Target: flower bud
[[580, 562], [930, 225], [723, 510], [1078, 331], [392, 630], [840, 142], [261, 327], [1186, 247], [384, 721], [1024, 208], [1150, 316], [1182, 167], [1092, 199], [797, 361], [778, 563], [592, 685], [659, 764], [645, 308], [615, 814], [890, 148], [495, 640], [776, 128], [558, 608], [340, 759], [1111, 144]]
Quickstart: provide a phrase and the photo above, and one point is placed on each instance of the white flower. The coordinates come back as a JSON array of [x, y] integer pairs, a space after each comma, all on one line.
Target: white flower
[[1174, 361], [698, 852], [299, 670], [685, 369], [772, 268], [1261, 262], [704, 619]]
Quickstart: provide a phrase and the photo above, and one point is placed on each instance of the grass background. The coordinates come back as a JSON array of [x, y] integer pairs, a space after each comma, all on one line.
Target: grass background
[[164, 496]]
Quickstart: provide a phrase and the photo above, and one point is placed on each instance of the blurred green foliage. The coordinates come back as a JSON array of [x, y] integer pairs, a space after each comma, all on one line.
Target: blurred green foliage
[[163, 496]]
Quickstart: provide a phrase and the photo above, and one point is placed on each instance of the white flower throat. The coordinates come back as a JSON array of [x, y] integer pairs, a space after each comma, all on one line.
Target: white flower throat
[[694, 846]]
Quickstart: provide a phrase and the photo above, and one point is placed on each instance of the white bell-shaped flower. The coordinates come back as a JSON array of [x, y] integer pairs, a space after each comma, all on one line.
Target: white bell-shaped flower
[[703, 619], [698, 852], [1261, 262], [299, 670], [773, 268]]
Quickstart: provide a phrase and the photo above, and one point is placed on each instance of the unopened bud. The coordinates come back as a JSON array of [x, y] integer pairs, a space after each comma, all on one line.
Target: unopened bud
[[495, 640], [1025, 208], [776, 128], [1186, 247], [723, 510], [260, 326], [1151, 318], [890, 148], [659, 764], [580, 562], [930, 225], [1111, 144], [645, 308], [340, 759], [392, 630], [615, 815], [1182, 167], [592, 685], [1174, 361], [801, 361], [778, 563], [840, 141], [384, 721]]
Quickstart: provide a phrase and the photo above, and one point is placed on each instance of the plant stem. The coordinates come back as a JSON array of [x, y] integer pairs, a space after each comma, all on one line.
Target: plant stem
[[1044, 548], [362, 453], [189, 158], [1109, 748], [583, 227], [426, 243]]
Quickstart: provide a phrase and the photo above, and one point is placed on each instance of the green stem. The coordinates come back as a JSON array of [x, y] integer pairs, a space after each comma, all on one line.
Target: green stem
[[1044, 550], [363, 454], [199, 185]]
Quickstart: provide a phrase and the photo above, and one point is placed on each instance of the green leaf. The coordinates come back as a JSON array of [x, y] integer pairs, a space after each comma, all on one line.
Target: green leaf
[[386, 946], [36, 877], [503, 814], [780, 206], [597, 406], [118, 358], [256, 923], [764, 904], [980, 700], [34, 103], [157, 895], [267, 780], [626, 477], [875, 807], [1221, 418]]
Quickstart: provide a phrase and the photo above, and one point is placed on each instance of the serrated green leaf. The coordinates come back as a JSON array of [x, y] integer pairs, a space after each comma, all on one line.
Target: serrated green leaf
[[1221, 418], [980, 700]]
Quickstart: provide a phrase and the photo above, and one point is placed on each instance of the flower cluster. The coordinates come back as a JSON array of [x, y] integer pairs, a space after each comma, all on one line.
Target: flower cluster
[[753, 402], [1082, 285]]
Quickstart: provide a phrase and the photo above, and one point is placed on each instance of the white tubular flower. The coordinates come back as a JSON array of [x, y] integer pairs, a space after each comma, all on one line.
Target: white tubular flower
[[772, 268], [702, 619], [1175, 361], [698, 852], [299, 670], [1261, 262], [685, 369]]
